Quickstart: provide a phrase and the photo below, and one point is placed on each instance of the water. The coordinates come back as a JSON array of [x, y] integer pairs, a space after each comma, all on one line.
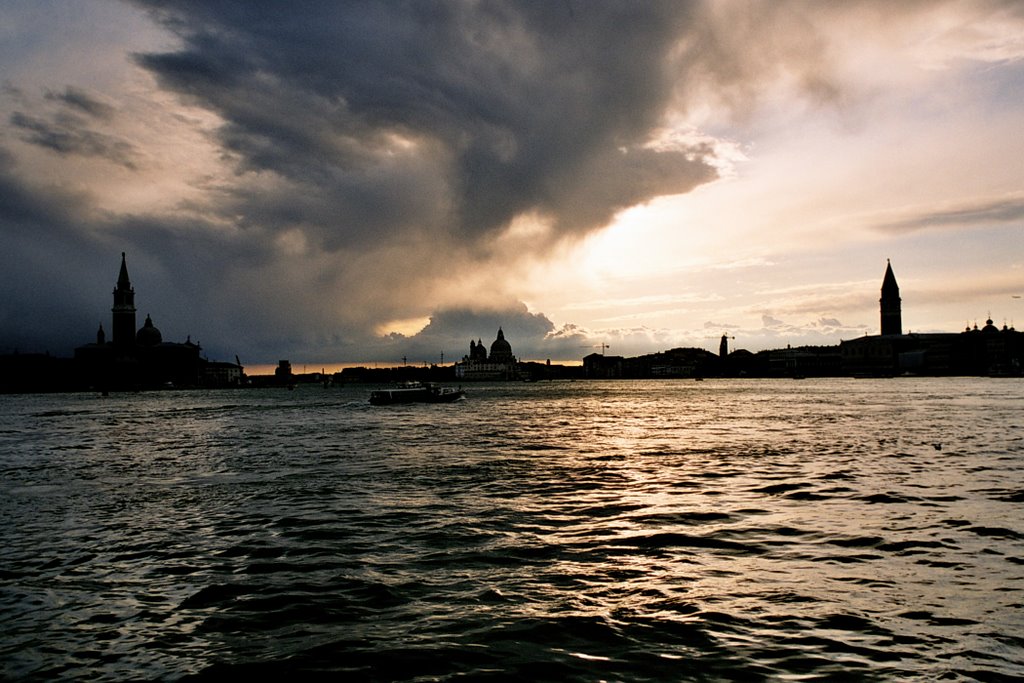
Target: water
[[654, 530]]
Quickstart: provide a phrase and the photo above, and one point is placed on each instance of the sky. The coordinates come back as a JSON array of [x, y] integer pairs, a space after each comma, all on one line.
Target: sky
[[338, 183]]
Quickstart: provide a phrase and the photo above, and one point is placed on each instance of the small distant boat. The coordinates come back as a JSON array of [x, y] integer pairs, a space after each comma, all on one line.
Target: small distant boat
[[415, 392]]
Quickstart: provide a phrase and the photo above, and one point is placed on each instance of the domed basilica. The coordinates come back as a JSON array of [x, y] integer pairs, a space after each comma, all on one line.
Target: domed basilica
[[499, 364]]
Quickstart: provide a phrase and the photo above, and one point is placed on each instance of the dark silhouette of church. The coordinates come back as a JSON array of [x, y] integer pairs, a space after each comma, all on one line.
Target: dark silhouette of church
[[892, 317], [140, 358], [499, 364], [989, 351]]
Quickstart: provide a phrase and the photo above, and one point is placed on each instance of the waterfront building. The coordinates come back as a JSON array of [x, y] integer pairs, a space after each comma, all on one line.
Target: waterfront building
[[600, 366], [988, 351], [479, 365], [139, 359]]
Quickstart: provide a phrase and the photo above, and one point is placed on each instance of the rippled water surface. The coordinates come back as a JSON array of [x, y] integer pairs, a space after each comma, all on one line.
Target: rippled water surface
[[675, 530]]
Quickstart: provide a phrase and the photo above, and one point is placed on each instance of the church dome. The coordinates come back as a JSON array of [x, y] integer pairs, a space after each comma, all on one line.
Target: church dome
[[148, 334], [501, 350]]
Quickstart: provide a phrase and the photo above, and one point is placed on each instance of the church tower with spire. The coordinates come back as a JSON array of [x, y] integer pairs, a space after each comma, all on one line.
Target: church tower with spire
[[892, 320], [123, 330]]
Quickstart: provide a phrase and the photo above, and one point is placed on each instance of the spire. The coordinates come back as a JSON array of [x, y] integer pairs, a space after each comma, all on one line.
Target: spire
[[891, 316], [501, 335], [123, 328], [889, 286], [122, 279]]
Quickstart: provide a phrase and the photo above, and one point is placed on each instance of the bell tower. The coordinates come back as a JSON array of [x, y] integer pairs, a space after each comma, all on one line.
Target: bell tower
[[892, 320], [123, 329]]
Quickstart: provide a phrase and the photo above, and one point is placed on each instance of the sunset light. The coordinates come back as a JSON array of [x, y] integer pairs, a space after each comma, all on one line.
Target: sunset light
[[740, 164], [516, 340]]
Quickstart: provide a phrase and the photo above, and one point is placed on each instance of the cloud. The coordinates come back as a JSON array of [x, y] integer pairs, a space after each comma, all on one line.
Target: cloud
[[30, 211], [975, 213], [359, 163], [775, 333], [65, 135], [445, 120], [50, 297], [532, 336], [394, 147], [82, 101]]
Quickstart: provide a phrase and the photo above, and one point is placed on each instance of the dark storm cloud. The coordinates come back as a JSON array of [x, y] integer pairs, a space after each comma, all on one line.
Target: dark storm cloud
[[380, 152], [437, 119], [47, 302], [60, 262], [24, 209]]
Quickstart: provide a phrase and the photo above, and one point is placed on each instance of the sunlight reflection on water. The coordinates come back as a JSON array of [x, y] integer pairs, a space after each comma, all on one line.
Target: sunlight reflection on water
[[575, 530]]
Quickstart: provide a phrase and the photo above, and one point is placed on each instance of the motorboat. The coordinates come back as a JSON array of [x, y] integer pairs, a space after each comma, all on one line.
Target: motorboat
[[416, 392]]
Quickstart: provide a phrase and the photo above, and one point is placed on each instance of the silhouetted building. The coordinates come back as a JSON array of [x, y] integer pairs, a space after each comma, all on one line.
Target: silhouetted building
[[501, 350], [477, 351], [803, 361], [500, 364], [988, 351], [678, 362], [140, 359], [891, 316], [123, 312], [600, 366], [222, 374], [743, 363], [283, 373], [34, 372]]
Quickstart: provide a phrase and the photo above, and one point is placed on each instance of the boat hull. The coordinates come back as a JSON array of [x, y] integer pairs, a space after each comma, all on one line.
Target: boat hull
[[426, 394]]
